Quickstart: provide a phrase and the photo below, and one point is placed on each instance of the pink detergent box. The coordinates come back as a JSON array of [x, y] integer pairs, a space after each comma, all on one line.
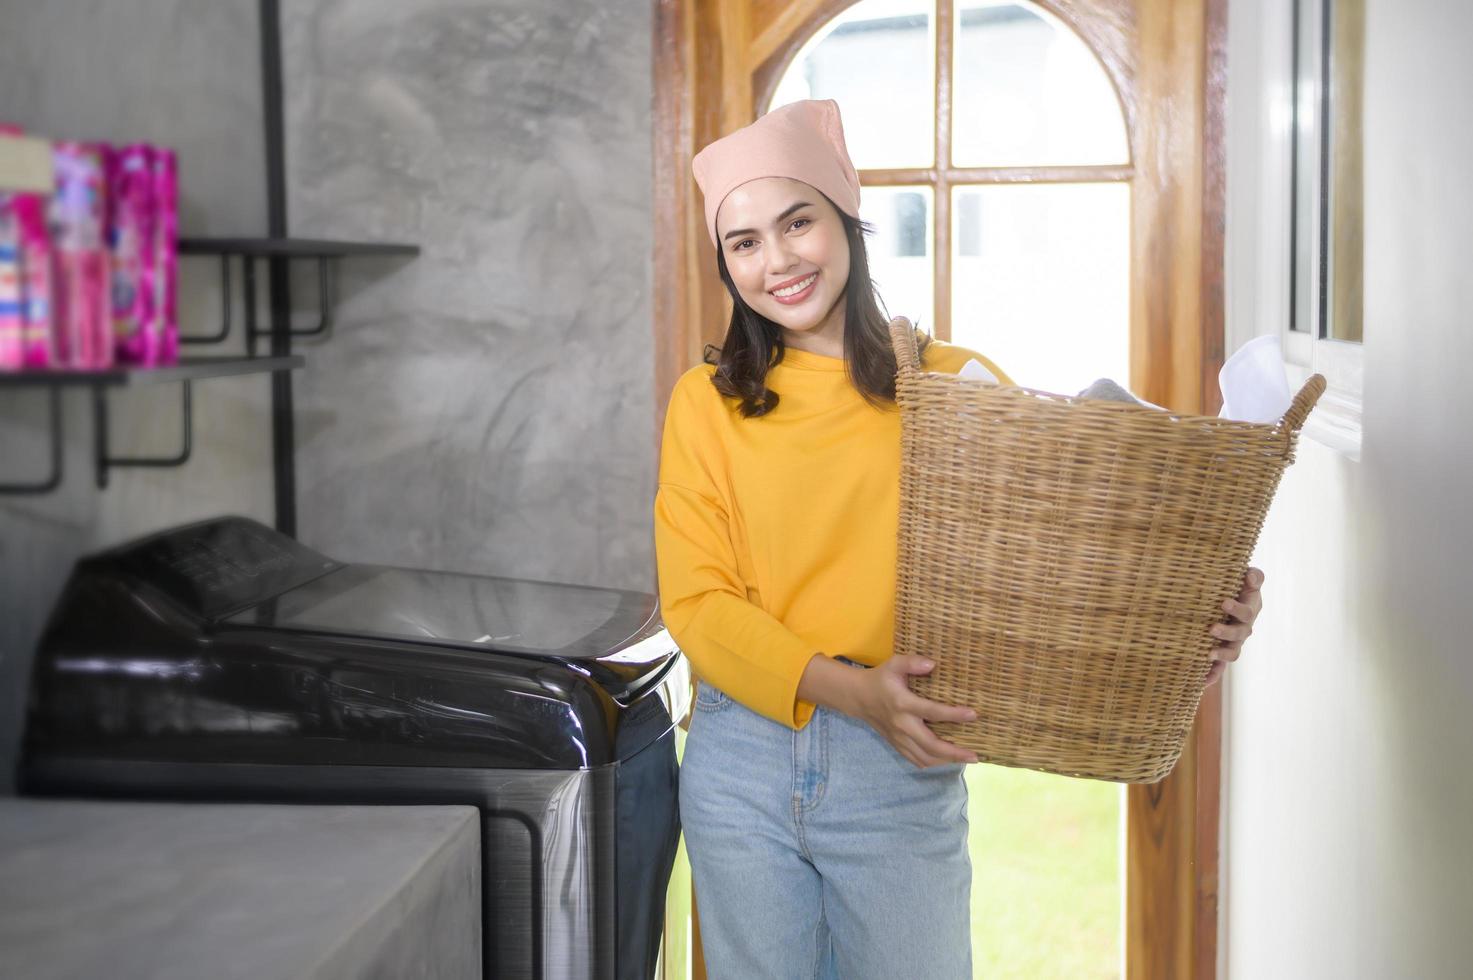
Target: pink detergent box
[[133, 243], [25, 277], [12, 309], [82, 334], [36, 282]]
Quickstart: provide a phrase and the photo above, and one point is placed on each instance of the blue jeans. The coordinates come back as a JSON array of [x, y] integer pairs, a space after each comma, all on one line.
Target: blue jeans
[[822, 853]]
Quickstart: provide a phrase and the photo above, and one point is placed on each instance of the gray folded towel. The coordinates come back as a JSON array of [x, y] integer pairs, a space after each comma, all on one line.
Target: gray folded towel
[[1106, 390]]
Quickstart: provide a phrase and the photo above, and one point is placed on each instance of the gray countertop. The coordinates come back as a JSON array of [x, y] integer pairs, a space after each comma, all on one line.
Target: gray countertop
[[180, 890]]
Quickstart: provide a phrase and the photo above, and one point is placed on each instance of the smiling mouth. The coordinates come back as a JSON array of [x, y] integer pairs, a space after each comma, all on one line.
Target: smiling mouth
[[796, 292]]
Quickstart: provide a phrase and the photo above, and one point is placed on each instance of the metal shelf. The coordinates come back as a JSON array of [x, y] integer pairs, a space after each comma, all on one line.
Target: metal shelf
[[278, 251], [292, 248], [185, 373], [188, 369]]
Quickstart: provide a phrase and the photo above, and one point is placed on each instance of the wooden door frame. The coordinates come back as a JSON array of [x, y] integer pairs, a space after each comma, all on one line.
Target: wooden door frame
[[716, 60]]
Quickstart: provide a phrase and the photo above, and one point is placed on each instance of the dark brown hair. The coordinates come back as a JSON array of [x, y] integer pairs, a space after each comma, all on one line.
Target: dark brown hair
[[754, 344]]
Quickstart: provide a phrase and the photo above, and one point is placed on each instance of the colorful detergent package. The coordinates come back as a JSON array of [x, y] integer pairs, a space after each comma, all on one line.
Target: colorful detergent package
[[143, 240], [89, 272]]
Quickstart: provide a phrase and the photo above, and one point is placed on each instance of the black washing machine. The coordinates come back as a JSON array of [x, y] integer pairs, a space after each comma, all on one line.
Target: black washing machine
[[225, 661]]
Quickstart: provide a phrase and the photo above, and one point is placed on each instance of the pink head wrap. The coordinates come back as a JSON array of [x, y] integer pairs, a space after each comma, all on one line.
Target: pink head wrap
[[801, 140]]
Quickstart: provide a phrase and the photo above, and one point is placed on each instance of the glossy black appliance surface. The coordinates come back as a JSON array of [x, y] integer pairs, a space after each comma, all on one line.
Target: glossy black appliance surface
[[222, 660], [227, 641]]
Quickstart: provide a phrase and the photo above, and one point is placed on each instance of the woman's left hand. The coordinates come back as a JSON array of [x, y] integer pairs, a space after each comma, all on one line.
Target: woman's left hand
[[1241, 611]]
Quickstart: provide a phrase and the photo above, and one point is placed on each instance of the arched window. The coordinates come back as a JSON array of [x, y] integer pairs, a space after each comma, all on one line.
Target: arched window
[[1008, 162]]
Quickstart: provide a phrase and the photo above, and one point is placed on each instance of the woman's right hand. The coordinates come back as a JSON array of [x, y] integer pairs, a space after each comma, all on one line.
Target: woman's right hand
[[884, 700]]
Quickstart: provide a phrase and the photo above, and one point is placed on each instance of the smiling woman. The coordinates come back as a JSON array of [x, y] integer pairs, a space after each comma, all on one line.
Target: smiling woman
[[775, 541]]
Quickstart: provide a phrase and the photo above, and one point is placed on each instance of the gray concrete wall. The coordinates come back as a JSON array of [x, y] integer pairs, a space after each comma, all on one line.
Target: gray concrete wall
[[486, 407], [483, 408]]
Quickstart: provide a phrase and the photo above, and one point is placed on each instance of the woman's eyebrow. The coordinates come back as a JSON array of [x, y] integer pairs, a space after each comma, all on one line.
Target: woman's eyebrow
[[752, 231]]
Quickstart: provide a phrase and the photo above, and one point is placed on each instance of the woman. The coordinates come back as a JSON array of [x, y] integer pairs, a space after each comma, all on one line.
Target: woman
[[825, 822]]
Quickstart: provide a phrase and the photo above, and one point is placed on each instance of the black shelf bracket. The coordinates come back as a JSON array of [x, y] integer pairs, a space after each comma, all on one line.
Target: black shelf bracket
[[219, 336], [54, 479], [124, 376], [324, 305], [324, 302], [106, 462], [254, 331]]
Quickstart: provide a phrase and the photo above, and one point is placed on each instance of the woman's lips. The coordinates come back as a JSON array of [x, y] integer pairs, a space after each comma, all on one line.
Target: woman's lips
[[799, 296]]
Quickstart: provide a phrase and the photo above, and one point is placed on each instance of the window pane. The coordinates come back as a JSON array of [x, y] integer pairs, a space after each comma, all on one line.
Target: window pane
[[1347, 29], [900, 258], [877, 60], [1306, 273], [1046, 292], [1029, 92], [1327, 211]]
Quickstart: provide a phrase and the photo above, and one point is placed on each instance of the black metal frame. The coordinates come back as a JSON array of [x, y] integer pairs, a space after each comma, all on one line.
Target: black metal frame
[[283, 429]]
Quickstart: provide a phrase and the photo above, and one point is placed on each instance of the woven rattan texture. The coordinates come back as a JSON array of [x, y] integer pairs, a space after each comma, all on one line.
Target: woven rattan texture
[[1062, 562]]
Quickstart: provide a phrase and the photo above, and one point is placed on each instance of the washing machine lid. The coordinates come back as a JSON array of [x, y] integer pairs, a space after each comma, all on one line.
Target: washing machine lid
[[511, 615], [236, 572]]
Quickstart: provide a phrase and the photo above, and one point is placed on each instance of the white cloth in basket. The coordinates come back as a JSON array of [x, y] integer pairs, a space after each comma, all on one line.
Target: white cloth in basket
[[1255, 387], [977, 370], [1254, 384]]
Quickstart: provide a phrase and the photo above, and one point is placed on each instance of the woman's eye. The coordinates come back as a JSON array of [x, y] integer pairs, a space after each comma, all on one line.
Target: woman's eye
[[796, 224]]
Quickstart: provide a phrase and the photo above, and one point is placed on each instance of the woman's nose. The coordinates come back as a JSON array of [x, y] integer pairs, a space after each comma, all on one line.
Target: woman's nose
[[780, 258]]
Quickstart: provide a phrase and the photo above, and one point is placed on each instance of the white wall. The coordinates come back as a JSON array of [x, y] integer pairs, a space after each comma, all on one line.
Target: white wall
[[1349, 755]]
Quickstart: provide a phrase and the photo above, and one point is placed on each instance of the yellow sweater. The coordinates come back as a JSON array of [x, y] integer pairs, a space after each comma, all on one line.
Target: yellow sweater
[[775, 536]]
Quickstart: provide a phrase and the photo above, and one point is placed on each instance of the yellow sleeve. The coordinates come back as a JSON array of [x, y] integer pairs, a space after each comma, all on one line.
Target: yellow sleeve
[[732, 643]]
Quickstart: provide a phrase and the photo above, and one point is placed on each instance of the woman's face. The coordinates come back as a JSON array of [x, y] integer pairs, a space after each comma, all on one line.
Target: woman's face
[[788, 256]]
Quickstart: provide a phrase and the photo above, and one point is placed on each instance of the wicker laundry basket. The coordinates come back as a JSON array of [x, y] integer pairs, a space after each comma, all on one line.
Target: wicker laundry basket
[[1062, 561]]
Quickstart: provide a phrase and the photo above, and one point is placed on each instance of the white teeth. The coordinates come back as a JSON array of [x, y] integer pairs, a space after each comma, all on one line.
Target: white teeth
[[796, 287]]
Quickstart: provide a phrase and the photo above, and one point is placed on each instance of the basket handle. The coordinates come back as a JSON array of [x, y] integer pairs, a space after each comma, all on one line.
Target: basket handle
[[1299, 410], [903, 339]]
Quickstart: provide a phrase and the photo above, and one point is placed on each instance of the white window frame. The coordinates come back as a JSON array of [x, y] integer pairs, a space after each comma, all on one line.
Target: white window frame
[[1260, 249]]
